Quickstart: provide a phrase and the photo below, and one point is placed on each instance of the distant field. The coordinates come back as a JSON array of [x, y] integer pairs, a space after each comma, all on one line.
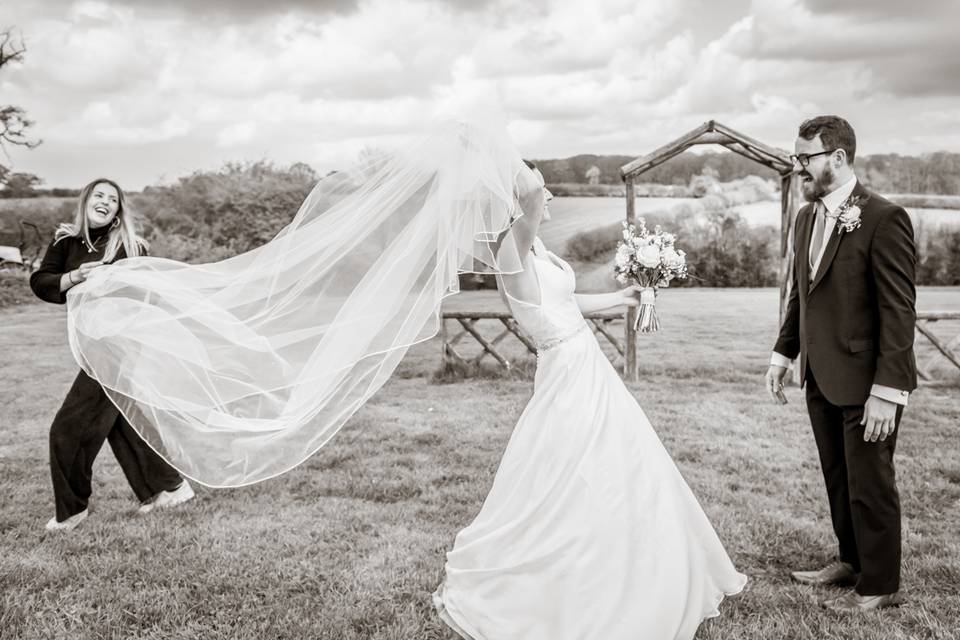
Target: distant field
[[768, 213], [47, 203], [571, 215]]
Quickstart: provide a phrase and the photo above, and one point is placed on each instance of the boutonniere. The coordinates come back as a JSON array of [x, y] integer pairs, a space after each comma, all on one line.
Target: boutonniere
[[848, 215]]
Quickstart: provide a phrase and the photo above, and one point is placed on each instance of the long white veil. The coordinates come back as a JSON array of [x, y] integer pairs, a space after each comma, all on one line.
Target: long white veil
[[239, 370]]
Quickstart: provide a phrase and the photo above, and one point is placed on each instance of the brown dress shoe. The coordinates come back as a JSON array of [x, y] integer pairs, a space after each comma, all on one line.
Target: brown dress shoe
[[853, 602], [839, 573]]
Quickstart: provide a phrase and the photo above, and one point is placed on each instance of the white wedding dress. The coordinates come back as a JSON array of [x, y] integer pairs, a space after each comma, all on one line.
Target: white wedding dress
[[589, 530]]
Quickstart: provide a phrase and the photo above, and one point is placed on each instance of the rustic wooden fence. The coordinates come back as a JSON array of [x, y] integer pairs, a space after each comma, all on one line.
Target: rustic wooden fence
[[946, 348], [465, 324]]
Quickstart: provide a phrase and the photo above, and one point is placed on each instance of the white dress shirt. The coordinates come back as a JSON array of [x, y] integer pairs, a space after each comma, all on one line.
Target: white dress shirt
[[832, 202]]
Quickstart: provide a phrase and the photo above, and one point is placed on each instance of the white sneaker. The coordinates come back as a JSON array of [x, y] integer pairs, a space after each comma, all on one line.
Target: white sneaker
[[178, 496], [68, 524]]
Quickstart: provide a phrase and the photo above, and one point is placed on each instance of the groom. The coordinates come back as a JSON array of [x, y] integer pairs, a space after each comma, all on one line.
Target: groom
[[850, 318]]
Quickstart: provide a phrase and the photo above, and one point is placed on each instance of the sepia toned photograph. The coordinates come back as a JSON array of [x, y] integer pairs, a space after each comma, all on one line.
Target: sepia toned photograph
[[491, 320]]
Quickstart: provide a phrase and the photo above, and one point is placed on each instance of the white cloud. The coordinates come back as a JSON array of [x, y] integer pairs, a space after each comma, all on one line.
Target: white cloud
[[907, 48], [293, 82], [236, 134], [97, 113]]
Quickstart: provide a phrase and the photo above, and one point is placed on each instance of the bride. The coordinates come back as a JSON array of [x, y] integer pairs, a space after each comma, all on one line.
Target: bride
[[589, 530], [239, 370]]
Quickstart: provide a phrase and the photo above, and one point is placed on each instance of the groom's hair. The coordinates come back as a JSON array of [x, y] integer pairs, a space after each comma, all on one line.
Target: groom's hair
[[835, 133]]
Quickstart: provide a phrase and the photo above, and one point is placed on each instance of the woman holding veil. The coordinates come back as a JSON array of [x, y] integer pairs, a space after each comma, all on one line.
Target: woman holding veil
[[239, 370]]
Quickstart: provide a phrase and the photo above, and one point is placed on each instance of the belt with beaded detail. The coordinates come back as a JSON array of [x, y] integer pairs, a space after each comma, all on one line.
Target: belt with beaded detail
[[556, 342]]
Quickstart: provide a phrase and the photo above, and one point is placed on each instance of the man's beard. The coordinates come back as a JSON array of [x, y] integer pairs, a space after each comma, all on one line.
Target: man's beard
[[818, 187]]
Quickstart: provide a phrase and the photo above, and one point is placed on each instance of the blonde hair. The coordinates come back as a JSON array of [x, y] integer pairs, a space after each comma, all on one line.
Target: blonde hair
[[123, 230]]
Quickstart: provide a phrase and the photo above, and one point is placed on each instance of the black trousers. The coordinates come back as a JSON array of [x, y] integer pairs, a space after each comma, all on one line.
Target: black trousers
[[84, 421], [862, 488]]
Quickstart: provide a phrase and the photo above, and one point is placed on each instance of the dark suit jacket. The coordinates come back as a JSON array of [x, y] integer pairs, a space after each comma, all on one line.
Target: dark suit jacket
[[853, 325]]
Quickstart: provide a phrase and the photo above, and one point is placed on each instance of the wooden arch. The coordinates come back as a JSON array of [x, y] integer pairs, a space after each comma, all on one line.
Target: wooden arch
[[713, 132]]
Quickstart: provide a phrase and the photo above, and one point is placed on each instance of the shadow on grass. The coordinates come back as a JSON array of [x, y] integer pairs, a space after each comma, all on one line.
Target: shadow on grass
[[453, 372]]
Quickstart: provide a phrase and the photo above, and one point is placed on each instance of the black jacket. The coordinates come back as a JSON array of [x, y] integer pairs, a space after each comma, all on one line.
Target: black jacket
[[64, 256], [853, 326]]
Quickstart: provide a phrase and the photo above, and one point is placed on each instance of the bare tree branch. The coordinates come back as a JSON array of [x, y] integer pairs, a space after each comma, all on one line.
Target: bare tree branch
[[13, 126], [9, 49], [13, 120]]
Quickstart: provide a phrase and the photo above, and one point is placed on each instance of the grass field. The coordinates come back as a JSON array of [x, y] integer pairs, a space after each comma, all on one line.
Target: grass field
[[350, 544]]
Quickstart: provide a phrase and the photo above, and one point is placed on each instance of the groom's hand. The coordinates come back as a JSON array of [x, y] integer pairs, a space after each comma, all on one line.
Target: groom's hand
[[774, 382], [879, 418]]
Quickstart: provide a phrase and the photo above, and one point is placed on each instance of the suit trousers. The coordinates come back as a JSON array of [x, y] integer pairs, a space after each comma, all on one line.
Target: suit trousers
[[84, 421], [862, 489]]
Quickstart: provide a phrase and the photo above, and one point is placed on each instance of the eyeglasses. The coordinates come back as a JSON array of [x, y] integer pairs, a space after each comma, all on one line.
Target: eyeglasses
[[804, 158]]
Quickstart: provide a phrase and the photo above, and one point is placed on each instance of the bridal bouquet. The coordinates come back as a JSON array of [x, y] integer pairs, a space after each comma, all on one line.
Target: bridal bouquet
[[650, 260]]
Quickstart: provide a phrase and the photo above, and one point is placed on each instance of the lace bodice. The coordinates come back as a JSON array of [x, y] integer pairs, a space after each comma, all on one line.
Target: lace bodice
[[558, 316]]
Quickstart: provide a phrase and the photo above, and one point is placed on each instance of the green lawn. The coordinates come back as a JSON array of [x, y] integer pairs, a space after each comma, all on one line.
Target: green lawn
[[350, 544]]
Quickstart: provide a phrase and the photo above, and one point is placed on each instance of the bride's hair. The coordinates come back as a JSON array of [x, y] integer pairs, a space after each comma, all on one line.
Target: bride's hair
[[123, 229]]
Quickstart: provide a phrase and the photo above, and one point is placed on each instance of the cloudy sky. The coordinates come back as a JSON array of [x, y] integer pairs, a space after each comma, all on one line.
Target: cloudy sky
[[148, 90]]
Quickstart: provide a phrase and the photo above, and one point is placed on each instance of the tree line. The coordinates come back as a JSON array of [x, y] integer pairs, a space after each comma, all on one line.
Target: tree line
[[932, 173]]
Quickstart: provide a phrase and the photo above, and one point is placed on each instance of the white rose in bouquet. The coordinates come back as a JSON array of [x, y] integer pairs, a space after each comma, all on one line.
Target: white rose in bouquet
[[673, 259], [649, 256]]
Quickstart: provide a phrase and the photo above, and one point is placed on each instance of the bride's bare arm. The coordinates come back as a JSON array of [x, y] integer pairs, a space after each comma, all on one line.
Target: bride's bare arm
[[590, 302], [530, 198], [524, 285]]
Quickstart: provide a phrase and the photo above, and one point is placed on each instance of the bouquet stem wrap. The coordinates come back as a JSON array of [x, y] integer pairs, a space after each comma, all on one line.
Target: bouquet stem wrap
[[647, 320]]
